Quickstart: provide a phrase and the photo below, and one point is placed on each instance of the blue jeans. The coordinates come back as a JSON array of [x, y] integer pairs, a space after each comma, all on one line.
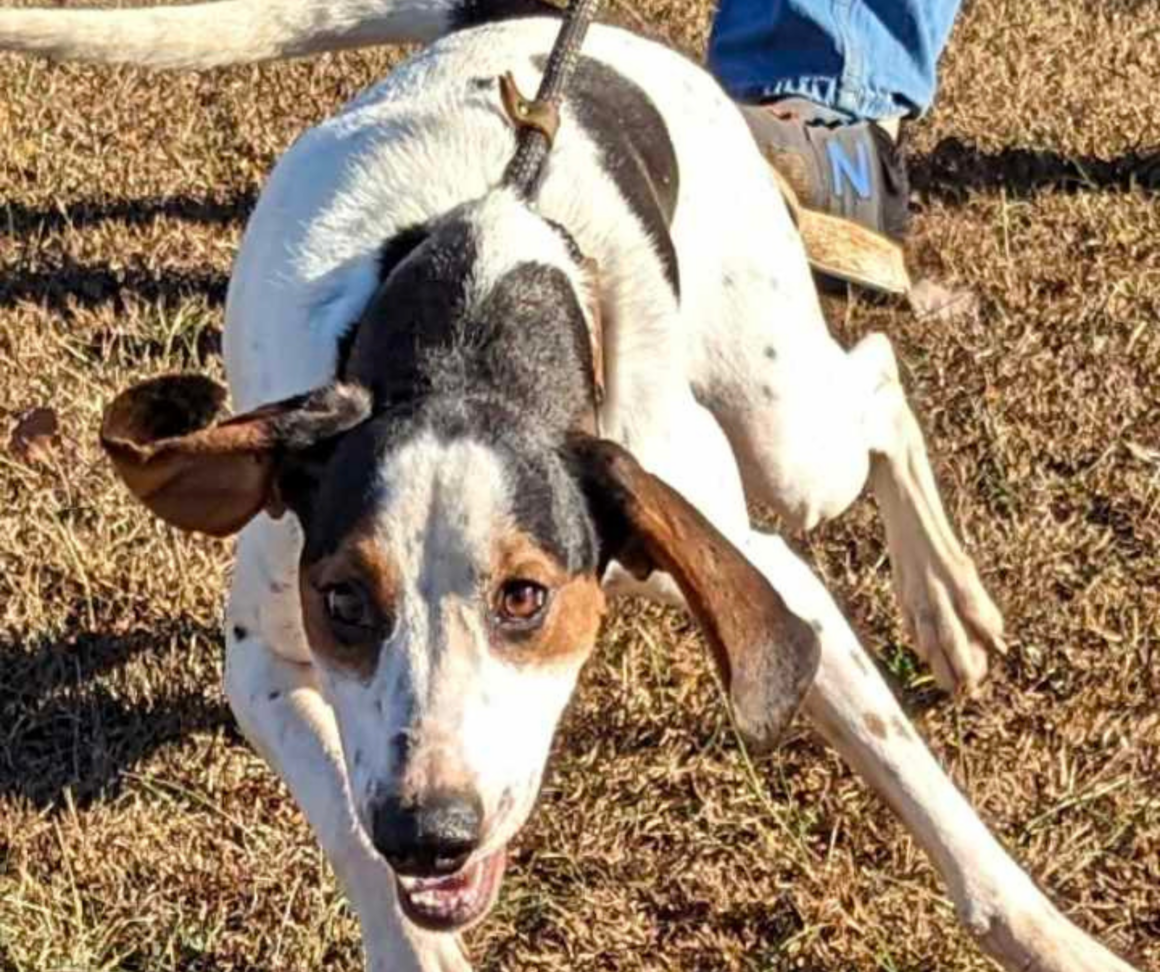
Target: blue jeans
[[869, 58]]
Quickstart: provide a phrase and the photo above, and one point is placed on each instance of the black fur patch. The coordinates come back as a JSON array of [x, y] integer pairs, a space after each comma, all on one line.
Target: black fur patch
[[548, 504], [510, 370], [476, 13], [400, 246], [392, 253], [636, 148], [342, 351], [416, 311]]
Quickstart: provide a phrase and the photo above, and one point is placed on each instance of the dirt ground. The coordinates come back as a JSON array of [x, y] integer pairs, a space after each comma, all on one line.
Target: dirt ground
[[138, 831]]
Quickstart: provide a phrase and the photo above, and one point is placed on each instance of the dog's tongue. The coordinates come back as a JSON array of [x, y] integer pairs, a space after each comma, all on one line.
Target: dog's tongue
[[454, 901]]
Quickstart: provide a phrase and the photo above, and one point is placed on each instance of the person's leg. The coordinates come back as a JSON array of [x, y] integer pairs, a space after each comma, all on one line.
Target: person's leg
[[869, 59], [823, 84]]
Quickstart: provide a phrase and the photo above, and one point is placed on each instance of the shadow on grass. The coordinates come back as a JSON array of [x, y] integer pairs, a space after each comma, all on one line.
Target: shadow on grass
[[951, 172], [75, 718], [71, 284], [18, 220], [955, 168]]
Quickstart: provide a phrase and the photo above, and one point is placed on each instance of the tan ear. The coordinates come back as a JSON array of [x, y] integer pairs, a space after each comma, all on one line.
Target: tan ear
[[213, 478], [766, 655]]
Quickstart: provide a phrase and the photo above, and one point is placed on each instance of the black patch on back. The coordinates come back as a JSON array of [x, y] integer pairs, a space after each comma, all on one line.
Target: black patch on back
[[476, 13], [635, 147]]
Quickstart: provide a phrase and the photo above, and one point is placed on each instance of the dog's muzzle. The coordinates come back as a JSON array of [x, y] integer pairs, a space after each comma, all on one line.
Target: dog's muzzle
[[430, 846]]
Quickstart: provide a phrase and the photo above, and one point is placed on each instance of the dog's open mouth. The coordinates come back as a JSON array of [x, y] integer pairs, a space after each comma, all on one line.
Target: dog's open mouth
[[452, 903]]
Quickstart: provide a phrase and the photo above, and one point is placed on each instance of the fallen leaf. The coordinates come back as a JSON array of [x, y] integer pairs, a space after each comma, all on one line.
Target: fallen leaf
[[36, 436], [947, 305]]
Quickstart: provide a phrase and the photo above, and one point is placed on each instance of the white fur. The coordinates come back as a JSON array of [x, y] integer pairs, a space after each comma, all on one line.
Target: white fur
[[737, 388]]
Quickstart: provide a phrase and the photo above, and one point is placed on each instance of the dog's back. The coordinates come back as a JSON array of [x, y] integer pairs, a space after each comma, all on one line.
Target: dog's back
[[652, 173]]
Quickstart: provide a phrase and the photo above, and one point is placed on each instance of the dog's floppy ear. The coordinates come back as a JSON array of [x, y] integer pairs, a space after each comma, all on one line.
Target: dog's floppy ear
[[767, 656], [214, 477]]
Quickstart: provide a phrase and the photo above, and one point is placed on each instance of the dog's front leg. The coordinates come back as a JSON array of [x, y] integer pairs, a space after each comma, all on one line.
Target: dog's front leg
[[282, 713], [853, 707]]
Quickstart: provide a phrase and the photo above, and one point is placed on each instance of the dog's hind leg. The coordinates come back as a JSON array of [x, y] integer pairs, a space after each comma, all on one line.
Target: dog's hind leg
[[810, 422], [282, 713], [953, 621], [852, 706]]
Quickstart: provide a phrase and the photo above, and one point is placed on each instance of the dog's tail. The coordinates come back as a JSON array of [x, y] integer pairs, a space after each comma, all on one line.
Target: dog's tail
[[202, 35]]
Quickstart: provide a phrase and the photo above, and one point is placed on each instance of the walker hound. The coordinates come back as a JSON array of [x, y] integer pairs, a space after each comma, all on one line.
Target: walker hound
[[439, 498]]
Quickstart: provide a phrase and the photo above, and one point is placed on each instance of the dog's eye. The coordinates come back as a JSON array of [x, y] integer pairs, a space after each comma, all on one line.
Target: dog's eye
[[521, 601], [348, 605]]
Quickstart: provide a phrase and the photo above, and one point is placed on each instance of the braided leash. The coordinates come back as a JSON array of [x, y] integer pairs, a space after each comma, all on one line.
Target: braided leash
[[538, 120]]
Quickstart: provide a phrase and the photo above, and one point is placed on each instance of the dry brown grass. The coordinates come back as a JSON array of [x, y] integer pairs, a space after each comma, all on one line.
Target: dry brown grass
[[138, 832]]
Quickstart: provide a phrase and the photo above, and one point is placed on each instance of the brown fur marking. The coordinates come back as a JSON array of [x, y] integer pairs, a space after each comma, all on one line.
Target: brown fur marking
[[573, 613], [767, 656], [361, 557], [206, 477]]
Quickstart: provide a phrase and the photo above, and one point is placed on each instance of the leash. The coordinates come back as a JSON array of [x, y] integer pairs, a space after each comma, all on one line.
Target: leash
[[538, 121]]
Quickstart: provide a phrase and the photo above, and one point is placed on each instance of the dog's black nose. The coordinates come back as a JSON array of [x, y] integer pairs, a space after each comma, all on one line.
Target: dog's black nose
[[430, 838]]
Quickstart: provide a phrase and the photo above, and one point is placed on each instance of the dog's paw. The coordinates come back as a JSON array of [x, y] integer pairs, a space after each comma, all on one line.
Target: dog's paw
[[1040, 939], [953, 621]]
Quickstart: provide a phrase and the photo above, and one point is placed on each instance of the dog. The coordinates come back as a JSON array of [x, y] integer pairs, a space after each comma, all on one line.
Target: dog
[[465, 419]]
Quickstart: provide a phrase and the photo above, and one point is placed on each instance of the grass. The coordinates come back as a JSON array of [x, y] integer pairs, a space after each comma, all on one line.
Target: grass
[[139, 832]]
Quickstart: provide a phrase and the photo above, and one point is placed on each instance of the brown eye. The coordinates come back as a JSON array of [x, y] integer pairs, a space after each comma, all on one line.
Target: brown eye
[[348, 606], [521, 601]]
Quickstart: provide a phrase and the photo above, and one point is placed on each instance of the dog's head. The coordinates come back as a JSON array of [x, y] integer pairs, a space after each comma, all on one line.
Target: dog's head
[[454, 544]]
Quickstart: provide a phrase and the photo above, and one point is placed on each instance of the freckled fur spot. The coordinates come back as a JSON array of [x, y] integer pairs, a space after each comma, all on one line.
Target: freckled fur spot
[[770, 352], [274, 696], [875, 724], [240, 633], [900, 726]]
